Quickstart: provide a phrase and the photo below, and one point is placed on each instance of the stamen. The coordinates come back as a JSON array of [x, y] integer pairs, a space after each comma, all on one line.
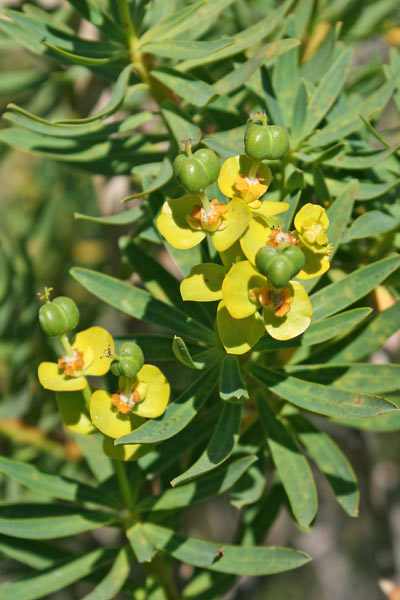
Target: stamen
[[211, 220], [250, 188], [277, 237], [71, 364], [279, 302], [124, 404]]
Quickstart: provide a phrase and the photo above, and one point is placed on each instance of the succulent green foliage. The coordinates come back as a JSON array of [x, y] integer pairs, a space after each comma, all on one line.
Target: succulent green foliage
[[167, 72]]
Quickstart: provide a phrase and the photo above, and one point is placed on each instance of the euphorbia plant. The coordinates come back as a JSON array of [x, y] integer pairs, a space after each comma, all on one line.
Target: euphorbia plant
[[249, 186]]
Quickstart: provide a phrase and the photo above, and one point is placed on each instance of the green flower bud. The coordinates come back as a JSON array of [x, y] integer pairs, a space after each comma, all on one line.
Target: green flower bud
[[197, 171], [59, 316], [265, 141], [130, 360]]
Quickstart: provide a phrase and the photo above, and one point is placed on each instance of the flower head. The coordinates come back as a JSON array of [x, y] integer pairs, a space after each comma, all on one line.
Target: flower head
[[87, 357], [241, 176], [311, 223]]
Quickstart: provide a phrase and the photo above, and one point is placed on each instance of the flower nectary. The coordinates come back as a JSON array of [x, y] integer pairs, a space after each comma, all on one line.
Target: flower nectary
[[243, 177], [210, 221], [278, 301], [71, 365]]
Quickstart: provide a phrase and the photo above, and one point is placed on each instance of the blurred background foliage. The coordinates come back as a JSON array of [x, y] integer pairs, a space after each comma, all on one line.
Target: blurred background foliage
[[40, 241]]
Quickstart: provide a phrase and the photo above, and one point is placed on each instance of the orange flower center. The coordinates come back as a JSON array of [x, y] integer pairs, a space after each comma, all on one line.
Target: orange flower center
[[211, 220], [277, 236], [71, 364], [124, 404], [250, 188], [279, 302]]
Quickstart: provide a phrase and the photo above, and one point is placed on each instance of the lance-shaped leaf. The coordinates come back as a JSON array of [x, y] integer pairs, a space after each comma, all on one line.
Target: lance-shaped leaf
[[57, 578], [286, 218], [244, 39], [35, 554], [239, 76], [374, 222], [258, 520], [139, 304], [95, 15], [185, 48], [227, 143], [299, 113], [46, 521], [179, 123], [178, 414], [165, 453], [359, 163], [187, 87], [381, 423], [194, 492], [292, 467], [254, 561], [54, 485], [339, 295], [141, 546], [249, 488], [126, 217], [87, 61], [318, 398], [350, 120], [332, 462], [115, 579], [162, 173], [173, 24], [370, 338], [285, 74], [201, 361], [327, 90], [232, 387], [220, 447], [356, 377], [366, 190]]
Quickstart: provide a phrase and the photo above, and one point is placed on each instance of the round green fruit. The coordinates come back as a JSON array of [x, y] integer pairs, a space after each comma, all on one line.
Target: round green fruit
[[265, 141], [59, 316], [197, 171]]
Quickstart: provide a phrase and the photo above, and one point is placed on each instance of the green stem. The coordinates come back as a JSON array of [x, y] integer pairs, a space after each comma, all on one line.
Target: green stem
[[128, 387], [86, 393], [160, 570], [253, 169], [205, 201], [66, 345], [130, 33], [126, 491]]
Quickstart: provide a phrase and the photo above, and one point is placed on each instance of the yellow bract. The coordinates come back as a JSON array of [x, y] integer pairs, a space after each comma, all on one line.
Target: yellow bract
[[269, 209], [172, 222], [204, 283], [108, 420], [295, 321], [237, 219], [157, 392], [241, 278], [311, 223], [93, 343], [74, 412], [255, 237], [314, 266], [125, 451], [233, 180], [238, 336]]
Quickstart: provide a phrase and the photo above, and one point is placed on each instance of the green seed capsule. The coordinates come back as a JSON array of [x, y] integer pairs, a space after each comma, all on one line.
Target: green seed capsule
[[279, 272], [264, 257], [130, 362], [59, 316], [197, 171], [265, 141], [296, 258]]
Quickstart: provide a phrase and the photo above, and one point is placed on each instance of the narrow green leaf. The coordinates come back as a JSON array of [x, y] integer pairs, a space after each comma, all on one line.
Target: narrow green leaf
[[199, 491], [38, 555], [185, 48], [286, 73], [244, 39], [299, 113], [165, 453], [189, 88], [126, 217], [261, 85], [366, 189], [219, 448], [372, 223], [179, 123], [316, 66], [227, 143], [249, 488], [232, 387], [339, 295], [225, 559], [355, 377], [115, 101], [174, 24], [318, 398], [369, 339], [113, 582], [318, 332], [93, 13], [327, 90], [359, 162], [48, 521], [87, 61], [188, 550], [14, 82], [286, 218], [302, 13], [54, 485], [350, 121], [56, 579], [380, 424], [331, 461], [178, 414], [141, 546], [182, 354], [162, 173], [139, 304], [92, 450], [320, 186], [292, 467], [258, 520], [239, 76]]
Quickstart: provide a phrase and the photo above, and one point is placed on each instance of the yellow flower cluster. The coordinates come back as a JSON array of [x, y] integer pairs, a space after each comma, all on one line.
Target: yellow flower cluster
[[86, 410], [239, 229]]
